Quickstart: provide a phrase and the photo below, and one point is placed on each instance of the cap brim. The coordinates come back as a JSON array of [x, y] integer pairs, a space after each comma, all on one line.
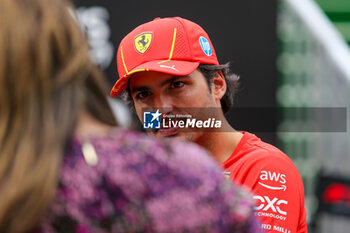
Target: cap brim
[[173, 67]]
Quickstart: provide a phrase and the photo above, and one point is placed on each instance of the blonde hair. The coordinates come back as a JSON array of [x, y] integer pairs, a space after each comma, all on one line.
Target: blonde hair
[[46, 79]]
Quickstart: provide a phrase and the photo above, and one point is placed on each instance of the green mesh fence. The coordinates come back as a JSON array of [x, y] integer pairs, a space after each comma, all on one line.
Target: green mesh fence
[[309, 76]]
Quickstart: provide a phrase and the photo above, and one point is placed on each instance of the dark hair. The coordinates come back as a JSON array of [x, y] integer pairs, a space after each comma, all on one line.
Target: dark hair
[[231, 79], [208, 71]]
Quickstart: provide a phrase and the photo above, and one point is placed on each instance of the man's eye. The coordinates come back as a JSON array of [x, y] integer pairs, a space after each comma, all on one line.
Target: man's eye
[[177, 84], [142, 95]]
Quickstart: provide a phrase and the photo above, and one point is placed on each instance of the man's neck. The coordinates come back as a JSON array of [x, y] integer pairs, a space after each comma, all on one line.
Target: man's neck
[[221, 144]]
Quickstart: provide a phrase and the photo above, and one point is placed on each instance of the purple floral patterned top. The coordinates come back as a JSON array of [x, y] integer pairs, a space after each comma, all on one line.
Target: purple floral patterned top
[[141, 184]]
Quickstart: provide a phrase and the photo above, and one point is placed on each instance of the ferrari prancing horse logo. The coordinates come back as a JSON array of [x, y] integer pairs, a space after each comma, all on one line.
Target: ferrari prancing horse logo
[[143, 41]]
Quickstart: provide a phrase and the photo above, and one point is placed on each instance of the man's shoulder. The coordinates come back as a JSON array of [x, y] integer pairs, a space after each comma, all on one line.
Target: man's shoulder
[[274, 180], [255, 147], [257, 153]]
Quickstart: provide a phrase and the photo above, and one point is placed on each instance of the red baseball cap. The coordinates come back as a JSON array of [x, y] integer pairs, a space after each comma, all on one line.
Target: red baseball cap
[[169, 45]]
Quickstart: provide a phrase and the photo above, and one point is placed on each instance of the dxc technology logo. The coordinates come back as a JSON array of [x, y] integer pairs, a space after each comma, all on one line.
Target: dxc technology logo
[[151, 120]]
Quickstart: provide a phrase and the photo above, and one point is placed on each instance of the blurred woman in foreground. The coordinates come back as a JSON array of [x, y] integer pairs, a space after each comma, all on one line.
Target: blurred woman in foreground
[[65, 167]]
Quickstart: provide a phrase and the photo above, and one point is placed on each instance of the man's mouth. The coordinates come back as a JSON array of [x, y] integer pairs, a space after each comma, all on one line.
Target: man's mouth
[[166, 132]]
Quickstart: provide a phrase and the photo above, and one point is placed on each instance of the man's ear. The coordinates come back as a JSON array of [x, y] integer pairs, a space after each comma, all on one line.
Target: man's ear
[[218, 86]]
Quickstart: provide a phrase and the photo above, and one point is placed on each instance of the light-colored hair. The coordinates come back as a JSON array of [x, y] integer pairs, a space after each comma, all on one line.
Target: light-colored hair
[[46, 79]]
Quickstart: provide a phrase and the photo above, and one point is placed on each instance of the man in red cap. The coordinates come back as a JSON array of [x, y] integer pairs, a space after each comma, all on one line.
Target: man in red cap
[[170, 65]]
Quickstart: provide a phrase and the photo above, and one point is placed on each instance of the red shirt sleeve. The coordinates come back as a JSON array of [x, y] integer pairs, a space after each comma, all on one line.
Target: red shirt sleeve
[[278, 192]]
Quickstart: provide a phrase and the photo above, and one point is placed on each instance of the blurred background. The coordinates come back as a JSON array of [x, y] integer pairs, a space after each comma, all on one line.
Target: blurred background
[[293, 59]]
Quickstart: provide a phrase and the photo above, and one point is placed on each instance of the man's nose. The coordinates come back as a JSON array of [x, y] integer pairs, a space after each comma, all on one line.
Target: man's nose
[[166, 103]]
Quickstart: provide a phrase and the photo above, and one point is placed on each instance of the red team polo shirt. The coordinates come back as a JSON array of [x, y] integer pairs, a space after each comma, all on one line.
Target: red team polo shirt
[[275, 182]]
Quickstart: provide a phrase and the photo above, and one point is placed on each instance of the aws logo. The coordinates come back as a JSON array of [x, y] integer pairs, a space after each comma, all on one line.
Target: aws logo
[[275, 177], [143, 41]]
